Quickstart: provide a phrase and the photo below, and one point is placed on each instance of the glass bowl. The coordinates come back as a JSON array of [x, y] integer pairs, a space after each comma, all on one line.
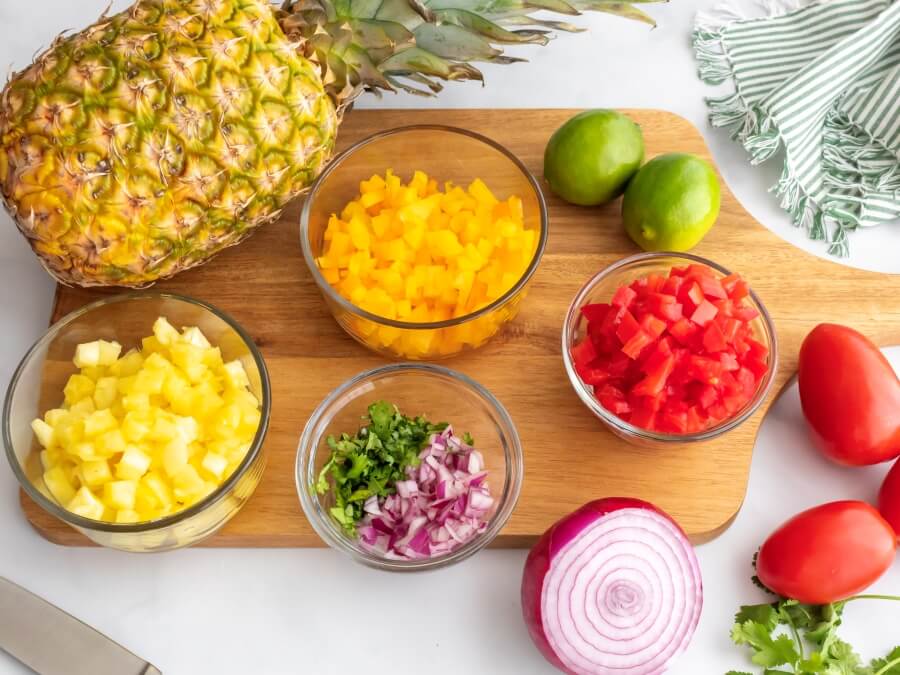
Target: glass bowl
[[38, 382], [601, 288], [446, 154], [440, 394]]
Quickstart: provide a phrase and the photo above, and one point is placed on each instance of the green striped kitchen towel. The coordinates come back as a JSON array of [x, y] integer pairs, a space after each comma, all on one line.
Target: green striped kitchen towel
[[822, 81]]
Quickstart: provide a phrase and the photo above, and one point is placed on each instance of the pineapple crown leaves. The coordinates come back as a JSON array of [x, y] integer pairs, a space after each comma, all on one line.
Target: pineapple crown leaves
[[411, 45]]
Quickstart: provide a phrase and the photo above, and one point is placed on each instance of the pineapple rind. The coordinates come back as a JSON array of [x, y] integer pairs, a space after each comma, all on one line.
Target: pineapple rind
[[155, 138]]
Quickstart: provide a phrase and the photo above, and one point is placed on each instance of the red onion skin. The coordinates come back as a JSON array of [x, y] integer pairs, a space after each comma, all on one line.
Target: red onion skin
[[538, 562]]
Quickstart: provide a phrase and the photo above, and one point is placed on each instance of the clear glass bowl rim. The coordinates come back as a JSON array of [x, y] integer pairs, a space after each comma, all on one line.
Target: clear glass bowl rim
[[614, 421], [149, 525], [327, 530], [334, 164]]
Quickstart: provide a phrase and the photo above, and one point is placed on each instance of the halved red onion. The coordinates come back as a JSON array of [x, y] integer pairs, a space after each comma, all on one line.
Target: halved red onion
[[444, 503], [614, 587]]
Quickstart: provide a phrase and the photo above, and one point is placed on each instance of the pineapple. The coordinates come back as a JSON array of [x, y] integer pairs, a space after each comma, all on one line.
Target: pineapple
[[147, 433], [155, 138]]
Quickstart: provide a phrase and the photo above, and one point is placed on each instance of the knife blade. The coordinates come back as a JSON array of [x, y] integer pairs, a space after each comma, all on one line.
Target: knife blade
[[53, 642]]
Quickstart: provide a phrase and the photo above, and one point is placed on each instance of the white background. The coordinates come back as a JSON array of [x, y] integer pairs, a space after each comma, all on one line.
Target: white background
[[312, 611]]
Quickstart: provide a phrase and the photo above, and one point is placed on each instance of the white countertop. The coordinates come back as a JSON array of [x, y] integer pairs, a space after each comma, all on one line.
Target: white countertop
[[312, 611]]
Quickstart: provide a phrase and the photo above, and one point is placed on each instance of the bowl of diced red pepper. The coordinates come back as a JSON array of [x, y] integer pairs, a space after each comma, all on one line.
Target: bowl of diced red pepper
[[669, 347]]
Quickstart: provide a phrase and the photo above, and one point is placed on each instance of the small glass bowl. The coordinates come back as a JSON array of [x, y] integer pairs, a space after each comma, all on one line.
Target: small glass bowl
[[446, 154], [601, 288], [441, 395], [38, 382]]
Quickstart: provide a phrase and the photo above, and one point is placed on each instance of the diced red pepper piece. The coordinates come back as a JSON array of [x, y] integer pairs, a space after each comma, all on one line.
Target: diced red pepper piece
[[729, 327], [693, 293], [713, 339], [592, 375], [677, 271], [708, 396], [655, 283], [656, 378], [747, 380], [612, 399], [705, 369], [712, 288], [704, 313], [683, 331], [729, 361], [627, 327], [745, 313], [729, 282], [725, 307], [665, 306], [623, 296], [673, 422], [595, 312], [699, 271], [619, 364], [758, 366], [653, 326], [584, 352], [695, 421], [757, 348], [643, 418], [736, 287], [612, 319], [672, 285], [636, 344]]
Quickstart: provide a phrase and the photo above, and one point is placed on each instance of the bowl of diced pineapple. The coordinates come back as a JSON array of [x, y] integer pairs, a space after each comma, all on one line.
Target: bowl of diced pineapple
[[139, 420], [423, 239]]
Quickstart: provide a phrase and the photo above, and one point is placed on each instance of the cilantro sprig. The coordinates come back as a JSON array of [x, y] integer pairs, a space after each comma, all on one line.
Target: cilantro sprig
[[788, 637], [371, 461]]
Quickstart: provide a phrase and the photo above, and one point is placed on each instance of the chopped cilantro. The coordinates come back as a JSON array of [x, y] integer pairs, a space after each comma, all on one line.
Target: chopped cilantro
[[780, 633], [371, 461]]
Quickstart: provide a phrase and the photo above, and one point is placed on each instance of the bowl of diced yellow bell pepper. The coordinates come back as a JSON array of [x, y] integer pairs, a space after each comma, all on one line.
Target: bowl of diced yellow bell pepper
[[139, 420], [423, 239]]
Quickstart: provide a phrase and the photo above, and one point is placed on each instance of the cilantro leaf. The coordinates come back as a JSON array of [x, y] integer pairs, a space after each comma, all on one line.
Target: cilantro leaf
[[370, 462], [766, 614], [769, 651], [889, 665]]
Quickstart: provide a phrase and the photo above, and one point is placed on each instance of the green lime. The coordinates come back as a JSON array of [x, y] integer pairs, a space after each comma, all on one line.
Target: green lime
[[671, 203], [590, 158]]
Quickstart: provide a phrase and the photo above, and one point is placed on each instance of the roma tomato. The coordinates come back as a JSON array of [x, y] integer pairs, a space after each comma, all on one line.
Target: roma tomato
[[889, 498], [850, 396], [827, 553]]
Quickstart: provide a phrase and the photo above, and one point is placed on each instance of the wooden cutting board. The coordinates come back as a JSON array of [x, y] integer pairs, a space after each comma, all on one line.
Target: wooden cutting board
[[570, 457]]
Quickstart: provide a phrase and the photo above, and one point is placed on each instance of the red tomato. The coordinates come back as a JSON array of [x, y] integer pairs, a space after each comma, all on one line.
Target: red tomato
[[827, 553], [850, 396], [889, 498], [673, 353]]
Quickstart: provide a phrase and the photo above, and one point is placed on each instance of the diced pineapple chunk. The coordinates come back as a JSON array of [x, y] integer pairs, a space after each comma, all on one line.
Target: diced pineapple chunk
[[195, 336], [44, 433], [105, 392], [149, 433], [128, 516], [59, 485], [77, 388], [164, 332], [110, 443], [86, 504], [54, 415], [175, 456], [136, 425], [134, 463], [215, 464], [120, 494], [235, 375], [99, 422], [95, 472]]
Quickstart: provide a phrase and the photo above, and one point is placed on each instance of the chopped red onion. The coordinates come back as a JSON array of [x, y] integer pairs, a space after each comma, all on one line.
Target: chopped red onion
[[443, 504]]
